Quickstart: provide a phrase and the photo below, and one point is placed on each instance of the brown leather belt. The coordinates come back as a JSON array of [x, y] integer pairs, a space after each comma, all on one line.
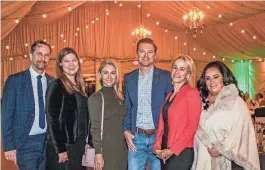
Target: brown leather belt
[[147, 132]]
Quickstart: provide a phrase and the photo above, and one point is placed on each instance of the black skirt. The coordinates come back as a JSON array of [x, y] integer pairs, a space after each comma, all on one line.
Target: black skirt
[[181, 162]]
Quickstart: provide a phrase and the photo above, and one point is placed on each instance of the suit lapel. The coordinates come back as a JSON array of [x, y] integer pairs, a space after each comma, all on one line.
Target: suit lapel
[[49, 79], [30, 88], [155, 84], [135, 79]]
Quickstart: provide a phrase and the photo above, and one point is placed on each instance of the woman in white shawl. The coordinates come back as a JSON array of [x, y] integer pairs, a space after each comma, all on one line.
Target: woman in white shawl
[[225, 132]]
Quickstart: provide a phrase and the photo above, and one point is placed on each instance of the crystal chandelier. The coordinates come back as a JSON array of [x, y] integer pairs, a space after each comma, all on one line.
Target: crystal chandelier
[[140, 32], [193, 21]]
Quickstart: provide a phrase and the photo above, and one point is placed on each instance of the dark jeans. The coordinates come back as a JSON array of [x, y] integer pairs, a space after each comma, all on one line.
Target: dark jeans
[[75, 153], [31, 156], [181, 162]]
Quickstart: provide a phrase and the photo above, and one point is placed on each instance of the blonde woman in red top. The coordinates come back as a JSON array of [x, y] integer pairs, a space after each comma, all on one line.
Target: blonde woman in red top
[[179, 119]]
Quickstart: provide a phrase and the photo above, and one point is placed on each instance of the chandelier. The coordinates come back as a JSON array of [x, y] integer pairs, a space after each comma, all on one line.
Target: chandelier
[[140, 32], [193, 21]]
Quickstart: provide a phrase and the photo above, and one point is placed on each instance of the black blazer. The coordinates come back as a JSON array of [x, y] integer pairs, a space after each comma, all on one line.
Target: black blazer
[[260, 112], [62, 115]]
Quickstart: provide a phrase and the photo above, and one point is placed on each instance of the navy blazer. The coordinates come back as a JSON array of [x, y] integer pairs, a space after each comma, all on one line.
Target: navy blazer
[[161, 86], [18, 109]]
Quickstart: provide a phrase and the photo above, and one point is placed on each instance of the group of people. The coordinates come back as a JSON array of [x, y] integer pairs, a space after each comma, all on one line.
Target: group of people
[[160, 119], [256, 103]]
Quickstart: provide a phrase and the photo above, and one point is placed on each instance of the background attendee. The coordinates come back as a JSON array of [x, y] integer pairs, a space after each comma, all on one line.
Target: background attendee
[[23, 115], [67, 114], [179, 119], [111, 151], [145, 91], [225, 131]]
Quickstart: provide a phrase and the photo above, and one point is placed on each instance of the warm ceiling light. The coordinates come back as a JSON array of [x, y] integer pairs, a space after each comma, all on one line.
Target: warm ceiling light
[[107, 13], [10, 58], [93, 22], [44, 40], [194, 49], [97, 19], [220, 16], [7, 47], [259, 59], [87, 26], [16, 21], [25, 56], [139, 6], [157, 23], [120, 4], [254, 37], [185, 43], [76, 34], [115, 1], [213, 56], [52, 46], [148, 15], [208, 7], [166, 30], [176, 37], [64, 40], [193, 21], [250, 61], [44, 15], [26, 44], [243, 31], [61, 35], [204, 53], [107, 10], [231, 24], [233, 61], [69, 8], [78, 29], [223, 59]]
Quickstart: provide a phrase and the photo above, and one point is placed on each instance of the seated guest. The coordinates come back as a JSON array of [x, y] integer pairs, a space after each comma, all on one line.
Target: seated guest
[[179, 119], [67, 114], [260, 112]]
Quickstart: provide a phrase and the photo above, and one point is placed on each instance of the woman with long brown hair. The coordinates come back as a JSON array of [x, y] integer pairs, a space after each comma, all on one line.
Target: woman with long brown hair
[[67, 116], [111, 150]]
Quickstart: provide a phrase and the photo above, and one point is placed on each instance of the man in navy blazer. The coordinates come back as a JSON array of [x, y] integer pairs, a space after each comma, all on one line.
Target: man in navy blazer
[[145, 91], [23, 116]]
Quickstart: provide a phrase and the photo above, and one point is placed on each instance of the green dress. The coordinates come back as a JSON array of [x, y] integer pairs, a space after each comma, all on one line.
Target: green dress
[[114, 148]]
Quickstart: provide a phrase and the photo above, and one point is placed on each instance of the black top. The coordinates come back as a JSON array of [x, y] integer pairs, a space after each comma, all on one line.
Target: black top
[[82, 111], [165, 119]]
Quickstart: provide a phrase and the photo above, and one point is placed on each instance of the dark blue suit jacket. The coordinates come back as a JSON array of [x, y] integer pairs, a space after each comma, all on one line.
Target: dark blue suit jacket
[[18, 109], [161, 86]]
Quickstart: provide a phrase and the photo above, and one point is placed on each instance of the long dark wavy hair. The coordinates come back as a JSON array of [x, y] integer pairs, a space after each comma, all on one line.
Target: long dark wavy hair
[[228, 78]]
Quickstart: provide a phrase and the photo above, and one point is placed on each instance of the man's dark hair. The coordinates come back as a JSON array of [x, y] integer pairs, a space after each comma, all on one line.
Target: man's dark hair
[[39, 42], [147, 41]]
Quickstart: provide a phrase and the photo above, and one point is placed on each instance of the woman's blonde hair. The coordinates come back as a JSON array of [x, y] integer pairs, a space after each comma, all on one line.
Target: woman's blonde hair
[[189, 62], [116, 83], [69, 86]]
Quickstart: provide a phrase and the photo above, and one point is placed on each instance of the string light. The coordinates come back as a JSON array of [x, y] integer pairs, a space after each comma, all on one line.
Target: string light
[[231, 24], [44, 15], [69, 8], [233, 61], [213, 56], [25, 56], [254, 37], [107, 13], [148, 15], [26, 44], [242, 31], [194, 49], [166, 30], [64, 40], [176, 37], [208, 7], [220, 16], [185, 43], [93, 21], [44, 40], [87, 26], [120, 4], [97, 19], [10, 58], [76, 34], [139, 6], [52, 46], [16, 21], [7, 47], [223, 59], [157, 23], [78, 29], [61, 35], [204, 53]]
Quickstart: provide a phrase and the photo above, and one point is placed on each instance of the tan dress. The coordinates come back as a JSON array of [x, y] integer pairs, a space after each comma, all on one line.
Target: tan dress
[[226, 126]]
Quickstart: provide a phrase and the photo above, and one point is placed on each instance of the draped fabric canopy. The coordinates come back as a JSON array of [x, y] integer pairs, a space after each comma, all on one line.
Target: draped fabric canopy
[[95, 35]]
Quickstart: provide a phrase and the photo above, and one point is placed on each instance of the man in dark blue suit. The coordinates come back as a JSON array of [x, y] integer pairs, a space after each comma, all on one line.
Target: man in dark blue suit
[[145, 91], [23, 117]]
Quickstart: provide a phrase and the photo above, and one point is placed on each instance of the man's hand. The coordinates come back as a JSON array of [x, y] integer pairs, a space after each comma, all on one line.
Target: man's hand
[[129, 140], [99, 162], [63, 157], [11, 156]]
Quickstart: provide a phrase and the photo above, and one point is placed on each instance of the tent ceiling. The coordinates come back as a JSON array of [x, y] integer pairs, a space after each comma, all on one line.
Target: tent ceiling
[[218, 37]]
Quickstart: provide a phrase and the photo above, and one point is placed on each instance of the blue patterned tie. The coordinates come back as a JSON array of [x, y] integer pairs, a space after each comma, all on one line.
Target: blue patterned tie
[[41, 103]]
